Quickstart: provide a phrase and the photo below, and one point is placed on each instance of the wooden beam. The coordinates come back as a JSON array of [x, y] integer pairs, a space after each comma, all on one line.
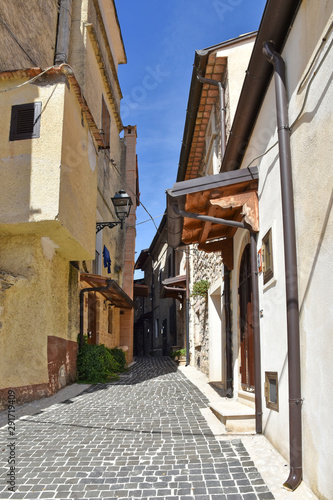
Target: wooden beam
[[249, 203], [206, 226]]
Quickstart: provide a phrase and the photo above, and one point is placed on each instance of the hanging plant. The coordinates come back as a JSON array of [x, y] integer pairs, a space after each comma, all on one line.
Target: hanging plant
[[200, 288]]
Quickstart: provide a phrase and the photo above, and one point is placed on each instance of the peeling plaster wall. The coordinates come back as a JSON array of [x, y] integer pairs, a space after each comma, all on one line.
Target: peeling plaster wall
[[35, 304]]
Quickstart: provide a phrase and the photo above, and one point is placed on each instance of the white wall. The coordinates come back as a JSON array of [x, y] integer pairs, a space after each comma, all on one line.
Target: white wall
[[312, 152]]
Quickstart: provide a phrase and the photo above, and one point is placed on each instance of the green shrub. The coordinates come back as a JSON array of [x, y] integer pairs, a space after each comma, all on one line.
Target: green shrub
[[200, 288], [178, 354], [98, 364], [119, 357]]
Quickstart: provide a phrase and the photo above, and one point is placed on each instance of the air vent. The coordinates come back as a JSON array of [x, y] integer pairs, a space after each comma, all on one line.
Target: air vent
[[25, 121]]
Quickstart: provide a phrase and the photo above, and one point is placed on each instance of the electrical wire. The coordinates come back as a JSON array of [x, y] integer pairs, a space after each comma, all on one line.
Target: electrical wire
[[28, 81]]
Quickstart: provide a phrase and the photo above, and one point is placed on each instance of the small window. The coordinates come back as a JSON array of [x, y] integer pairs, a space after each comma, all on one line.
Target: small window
[[272, 390], [267, 257], [169, 266], [25, 121], [105, 125]]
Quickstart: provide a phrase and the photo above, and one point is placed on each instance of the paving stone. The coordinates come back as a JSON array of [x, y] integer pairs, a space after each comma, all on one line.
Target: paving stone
[[142, 437]]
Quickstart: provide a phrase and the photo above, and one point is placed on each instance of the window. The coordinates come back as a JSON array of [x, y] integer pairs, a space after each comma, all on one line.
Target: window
[[169, 266], [157, 328], [267, 256], [97, 263], [25, 121], [105, 125], [272, 390]]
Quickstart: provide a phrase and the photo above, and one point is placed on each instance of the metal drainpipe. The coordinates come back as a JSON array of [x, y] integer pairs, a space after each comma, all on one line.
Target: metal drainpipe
[[290, 254], [228, 332], [187, 306], [255, 301], [256, 331], [63, 32], [222, 110], [82, 292]]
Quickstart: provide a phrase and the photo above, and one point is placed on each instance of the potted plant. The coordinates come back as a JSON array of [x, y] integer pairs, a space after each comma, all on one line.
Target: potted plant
[[179, 356]]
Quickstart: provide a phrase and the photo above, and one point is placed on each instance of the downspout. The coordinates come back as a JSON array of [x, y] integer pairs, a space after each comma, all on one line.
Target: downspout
[[290, 254], [187, 306], [63, 32], [222, 110], [255, 301], [256, 331], [82, 292], [228, 332]]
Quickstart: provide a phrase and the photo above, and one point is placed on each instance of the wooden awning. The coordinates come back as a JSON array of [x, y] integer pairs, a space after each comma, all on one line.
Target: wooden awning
[[231, 196], [174, 288], [115, 294], [141, 290]]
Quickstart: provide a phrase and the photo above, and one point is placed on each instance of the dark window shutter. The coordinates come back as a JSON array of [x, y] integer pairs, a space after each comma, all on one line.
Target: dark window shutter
[[25, 121], [106, 125]]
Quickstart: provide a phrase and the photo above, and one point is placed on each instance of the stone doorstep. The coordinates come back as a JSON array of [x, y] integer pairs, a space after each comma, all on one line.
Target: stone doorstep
[[236, 417], [247, 398]]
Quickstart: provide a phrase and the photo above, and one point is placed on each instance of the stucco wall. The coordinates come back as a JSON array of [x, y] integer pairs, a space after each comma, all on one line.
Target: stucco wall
[[30, 173], [38, 296], [309, 79], [238, 56], [78, 180]]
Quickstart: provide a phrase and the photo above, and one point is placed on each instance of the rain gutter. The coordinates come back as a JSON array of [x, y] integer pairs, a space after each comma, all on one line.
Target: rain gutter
[[290, 255], [275, 25], [63, 32]]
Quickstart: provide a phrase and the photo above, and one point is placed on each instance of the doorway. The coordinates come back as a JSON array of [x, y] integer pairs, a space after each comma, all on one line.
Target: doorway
[[246, 324], [165, 336], [92, 320]]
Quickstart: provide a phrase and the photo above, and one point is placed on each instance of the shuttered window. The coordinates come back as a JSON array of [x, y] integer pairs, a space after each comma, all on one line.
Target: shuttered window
[[25, 121], [105, 125]]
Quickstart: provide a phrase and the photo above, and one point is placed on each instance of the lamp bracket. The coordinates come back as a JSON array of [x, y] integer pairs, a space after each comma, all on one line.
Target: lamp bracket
[[102, 225]]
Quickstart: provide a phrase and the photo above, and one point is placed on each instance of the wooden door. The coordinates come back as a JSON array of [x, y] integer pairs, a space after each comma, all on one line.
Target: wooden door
[[246, 328], [92, 323]]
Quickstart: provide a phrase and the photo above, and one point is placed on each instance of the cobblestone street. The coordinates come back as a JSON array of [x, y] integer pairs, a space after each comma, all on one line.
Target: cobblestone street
[[143, 437]]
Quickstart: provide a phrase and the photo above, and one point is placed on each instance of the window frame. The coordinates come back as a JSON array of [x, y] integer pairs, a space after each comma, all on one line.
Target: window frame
[[34, 133], [272, 405], [267, 257]]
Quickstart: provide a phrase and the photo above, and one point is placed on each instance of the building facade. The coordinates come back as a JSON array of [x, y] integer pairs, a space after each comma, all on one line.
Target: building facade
[[267, 211], [62, 159]]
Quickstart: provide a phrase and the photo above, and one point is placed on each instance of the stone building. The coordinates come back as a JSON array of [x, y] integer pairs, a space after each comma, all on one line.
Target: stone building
[[268, 210], [61, 161], [161, 323]]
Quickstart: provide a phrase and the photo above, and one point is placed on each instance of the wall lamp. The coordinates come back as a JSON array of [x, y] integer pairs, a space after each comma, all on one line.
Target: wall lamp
[[122, 203]]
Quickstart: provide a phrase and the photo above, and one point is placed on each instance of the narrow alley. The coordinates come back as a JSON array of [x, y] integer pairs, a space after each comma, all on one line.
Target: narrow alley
[[143, 436]]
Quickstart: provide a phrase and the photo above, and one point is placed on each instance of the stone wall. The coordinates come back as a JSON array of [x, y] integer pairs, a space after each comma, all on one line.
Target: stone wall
[[203, 266], [34, 45]]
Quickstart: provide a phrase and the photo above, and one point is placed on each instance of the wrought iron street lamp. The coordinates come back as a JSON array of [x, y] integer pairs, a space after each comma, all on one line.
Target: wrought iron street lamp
[[122, 203]]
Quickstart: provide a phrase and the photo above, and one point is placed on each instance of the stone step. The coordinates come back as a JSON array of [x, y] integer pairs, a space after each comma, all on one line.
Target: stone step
[[247, 398], [236, 417]]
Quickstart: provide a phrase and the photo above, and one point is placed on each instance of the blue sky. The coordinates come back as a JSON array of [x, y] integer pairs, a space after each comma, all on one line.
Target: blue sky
[[160, 40]]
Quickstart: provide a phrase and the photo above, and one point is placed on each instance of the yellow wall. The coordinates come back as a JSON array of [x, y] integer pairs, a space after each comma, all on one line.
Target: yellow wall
[[50, 181], [35, 304], [77, 210]]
